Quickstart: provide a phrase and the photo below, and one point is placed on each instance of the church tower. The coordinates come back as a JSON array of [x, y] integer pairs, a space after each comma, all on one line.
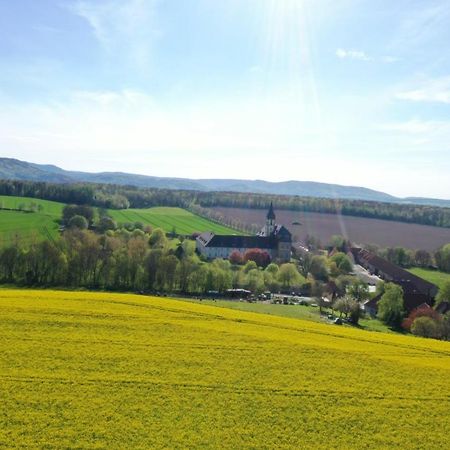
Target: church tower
[[270, 221]]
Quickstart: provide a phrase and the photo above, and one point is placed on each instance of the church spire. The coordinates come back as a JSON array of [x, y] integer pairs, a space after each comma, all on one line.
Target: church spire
[[270, 221], [271, 213]]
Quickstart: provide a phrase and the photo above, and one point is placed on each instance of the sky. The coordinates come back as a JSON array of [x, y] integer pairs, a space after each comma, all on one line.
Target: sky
[[353, 92]]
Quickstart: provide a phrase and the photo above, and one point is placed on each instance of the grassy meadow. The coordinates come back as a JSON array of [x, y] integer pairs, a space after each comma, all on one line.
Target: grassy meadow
[[37, 219], [183, 221], [100, 370], [433, 276], [292, 311]]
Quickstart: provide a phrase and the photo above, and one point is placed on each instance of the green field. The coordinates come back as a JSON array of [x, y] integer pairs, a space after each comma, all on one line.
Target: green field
[[292, 311], [433, 276], [47, 207], [167, 218], [99, 370], [25, 225]]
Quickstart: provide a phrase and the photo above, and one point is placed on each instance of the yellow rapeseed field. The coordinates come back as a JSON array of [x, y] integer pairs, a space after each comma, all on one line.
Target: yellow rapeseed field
[[110, 371]]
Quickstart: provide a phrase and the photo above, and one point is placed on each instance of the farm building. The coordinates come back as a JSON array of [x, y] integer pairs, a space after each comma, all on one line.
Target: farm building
[[416, 290], [275, 239]]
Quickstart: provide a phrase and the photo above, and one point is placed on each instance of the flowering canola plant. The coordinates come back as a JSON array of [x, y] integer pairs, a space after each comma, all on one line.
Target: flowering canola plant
[[115, 371]]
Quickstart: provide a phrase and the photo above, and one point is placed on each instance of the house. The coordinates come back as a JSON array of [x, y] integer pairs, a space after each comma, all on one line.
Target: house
[[416, 290], [273, 238]]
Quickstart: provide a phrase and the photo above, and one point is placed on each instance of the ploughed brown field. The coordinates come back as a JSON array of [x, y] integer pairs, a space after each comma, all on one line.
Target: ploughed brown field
[[359, 230]]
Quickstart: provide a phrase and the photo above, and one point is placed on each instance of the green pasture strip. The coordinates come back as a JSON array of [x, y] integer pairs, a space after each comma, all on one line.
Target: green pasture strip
[[48, 207], [26, 226], [433, 276], [168, 218], [292, 311]]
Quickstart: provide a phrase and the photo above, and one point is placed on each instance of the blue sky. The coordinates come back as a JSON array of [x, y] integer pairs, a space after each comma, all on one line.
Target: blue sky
[[353, 92]]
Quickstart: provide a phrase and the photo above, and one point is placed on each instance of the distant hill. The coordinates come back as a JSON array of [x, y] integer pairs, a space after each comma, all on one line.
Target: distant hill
[[20, 170]]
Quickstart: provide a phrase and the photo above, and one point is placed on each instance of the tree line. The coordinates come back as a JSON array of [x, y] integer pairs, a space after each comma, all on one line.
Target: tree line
[[137, 260], [119, 197]]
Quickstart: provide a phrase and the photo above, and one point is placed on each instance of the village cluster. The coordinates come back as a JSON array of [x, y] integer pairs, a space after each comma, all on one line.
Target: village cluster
[[276, 240]]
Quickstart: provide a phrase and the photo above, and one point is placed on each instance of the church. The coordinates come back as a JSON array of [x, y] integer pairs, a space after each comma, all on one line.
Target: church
[[275, 239]]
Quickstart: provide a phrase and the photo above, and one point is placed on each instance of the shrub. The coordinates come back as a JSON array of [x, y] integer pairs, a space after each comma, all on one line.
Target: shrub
[[236, 257], [425, 327], [79, 222], [390, 306], [419, 312], [260, 257]]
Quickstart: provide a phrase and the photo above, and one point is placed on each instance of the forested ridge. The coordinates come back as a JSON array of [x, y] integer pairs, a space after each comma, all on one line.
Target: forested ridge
[[118, 197]]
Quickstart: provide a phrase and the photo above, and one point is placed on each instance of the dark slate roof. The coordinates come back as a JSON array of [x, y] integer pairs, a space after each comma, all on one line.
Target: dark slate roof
[[409, 281], [373, 302], [411, 301], [280, 232], [215, 240], [271, 213], [443, 308]]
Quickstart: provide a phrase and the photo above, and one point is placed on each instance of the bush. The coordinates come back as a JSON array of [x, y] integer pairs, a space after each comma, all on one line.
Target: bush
[[236, 257], [106, 223], [390, 306], [419, 312], [349, 307], [260, 257], [79, 222], [71, 211], [425, 327]]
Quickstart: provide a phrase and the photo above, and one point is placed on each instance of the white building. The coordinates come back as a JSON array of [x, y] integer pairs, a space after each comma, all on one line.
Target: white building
[[275, 239]]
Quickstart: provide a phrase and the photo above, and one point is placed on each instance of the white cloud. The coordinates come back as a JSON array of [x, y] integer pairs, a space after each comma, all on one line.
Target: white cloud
[[437, 91], [352, 54], [127, 27], [360, 55]]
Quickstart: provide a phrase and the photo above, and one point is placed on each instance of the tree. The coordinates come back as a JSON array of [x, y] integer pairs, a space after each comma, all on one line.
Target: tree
[[273, 269], [151, 265], [106, 223], [288, 275], [312, 242], [236, 257], [255, 281], [70, 211], [342, 284], [157, 239], [79, 222], [399, 256], [390, 306], [343, 263], [317, 291], [261, 257], [445, 327], [442, 258], [422, 258], [349, 307], [9, 259], [424, 311], [184, 271], [250, 265], [166, 272], [444, 293], [359, 291], [318, 268], [425, 327], [339, 242]]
